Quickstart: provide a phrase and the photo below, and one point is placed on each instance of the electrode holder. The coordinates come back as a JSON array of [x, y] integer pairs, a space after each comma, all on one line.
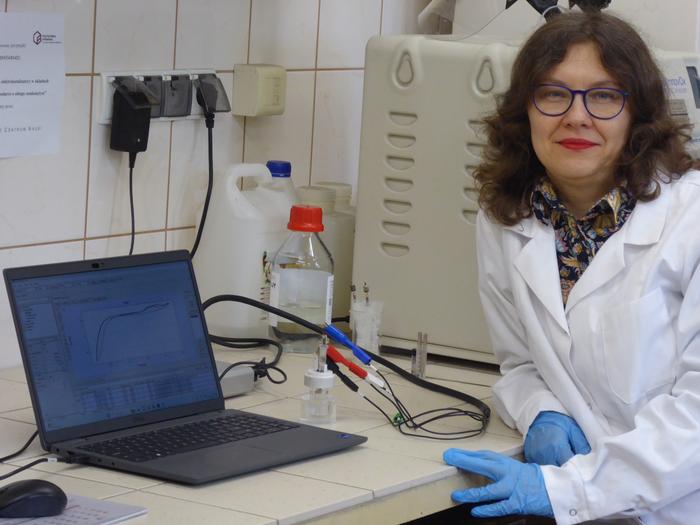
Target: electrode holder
[[318, 405]]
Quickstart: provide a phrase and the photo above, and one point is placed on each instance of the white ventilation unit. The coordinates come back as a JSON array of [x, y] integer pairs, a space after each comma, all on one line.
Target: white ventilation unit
[[415, 232]]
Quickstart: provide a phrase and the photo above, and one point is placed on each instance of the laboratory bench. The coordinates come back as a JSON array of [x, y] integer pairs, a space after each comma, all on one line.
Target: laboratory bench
[[391, 478]]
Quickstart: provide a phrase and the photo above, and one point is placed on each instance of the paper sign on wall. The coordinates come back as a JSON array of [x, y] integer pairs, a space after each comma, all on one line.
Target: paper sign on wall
[[32, 83]]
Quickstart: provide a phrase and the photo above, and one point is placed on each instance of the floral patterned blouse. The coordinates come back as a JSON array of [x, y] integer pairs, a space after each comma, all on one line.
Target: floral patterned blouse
[[577, 241]]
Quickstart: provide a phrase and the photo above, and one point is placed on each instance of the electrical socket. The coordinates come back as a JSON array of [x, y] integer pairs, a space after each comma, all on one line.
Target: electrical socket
[[107, 92]]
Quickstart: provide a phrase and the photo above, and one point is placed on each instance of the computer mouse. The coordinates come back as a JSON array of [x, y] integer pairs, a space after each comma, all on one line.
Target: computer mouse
[[31, 498]]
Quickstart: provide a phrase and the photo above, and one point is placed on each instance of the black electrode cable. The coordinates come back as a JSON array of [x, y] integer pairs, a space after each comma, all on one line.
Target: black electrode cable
[[483, 417], [333, 367], [132, 162], [209, 121], [418, 422]]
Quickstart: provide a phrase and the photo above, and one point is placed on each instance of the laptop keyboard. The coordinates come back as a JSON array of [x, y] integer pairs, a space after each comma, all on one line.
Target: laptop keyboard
[[185, 438]]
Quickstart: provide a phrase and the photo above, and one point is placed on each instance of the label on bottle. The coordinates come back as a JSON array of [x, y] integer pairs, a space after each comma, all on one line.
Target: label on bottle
[[305, 293], [329, 299], [265, 283], [274, 296]]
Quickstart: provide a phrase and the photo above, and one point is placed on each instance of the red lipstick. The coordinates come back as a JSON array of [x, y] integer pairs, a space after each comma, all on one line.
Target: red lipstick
[[576, 144]]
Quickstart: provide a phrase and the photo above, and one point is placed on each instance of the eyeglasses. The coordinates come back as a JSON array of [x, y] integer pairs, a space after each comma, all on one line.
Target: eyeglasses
[[554, 100]]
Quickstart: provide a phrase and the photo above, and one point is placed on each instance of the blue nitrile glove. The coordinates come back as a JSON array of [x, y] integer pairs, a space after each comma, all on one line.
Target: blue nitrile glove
[[553, 438], [518, 488]]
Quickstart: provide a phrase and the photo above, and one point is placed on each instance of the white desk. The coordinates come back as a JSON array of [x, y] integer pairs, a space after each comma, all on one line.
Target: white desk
[[389, 479]]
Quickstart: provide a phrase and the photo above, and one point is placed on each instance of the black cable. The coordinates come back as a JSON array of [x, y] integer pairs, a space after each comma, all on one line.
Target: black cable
[[260, 368], [24, 447], [485, 412], [403, 417], [375, 405], [25, 467], [209, 120], [71, 459], [414, 423], [132, 162], [333, 367]]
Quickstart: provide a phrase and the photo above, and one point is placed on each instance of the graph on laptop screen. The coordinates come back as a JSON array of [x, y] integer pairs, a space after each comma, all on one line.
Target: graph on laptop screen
[[108, 344]]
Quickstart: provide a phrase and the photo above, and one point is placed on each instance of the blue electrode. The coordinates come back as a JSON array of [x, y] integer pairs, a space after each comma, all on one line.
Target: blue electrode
[[341, 338]]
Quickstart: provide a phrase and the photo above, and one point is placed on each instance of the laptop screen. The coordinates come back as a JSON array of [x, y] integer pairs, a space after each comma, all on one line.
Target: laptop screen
[[108, 344]]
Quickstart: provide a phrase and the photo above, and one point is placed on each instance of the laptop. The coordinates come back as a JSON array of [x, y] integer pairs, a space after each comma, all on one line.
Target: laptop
[[122, 375]]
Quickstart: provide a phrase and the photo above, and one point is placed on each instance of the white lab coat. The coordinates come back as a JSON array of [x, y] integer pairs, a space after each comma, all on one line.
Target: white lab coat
[[622, 359]]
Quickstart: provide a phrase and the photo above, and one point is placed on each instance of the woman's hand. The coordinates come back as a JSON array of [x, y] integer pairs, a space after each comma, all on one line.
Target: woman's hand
[[518, 488], [553, 438]]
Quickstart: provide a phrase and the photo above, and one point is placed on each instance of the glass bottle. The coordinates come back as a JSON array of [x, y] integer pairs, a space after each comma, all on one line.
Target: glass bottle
[[302, 281]]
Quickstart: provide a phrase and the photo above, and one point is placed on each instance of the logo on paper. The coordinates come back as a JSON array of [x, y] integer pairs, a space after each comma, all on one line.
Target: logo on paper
[[42, 38]]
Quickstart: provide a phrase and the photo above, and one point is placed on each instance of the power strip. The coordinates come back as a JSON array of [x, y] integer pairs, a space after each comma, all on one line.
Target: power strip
[[239, 380]]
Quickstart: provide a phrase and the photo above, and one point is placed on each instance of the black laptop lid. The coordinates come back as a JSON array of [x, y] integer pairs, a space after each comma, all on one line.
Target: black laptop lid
[[113, 343]]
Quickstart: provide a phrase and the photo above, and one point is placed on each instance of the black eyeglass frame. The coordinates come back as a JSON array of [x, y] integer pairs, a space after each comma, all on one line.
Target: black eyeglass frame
[[583, 93]]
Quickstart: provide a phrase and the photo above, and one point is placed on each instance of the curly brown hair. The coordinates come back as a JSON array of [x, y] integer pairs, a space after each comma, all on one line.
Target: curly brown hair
[[655, 150]]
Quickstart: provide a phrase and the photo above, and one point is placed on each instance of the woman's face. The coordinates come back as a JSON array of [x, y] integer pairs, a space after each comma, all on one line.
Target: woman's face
[[578, 151]]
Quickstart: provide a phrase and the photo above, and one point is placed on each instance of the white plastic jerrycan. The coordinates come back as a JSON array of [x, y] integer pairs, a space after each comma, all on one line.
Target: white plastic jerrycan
[[242, 230]]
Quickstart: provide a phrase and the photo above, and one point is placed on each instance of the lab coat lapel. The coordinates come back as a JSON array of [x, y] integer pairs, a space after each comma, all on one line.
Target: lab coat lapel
[[537, 265], [643, 227], [607, 263]]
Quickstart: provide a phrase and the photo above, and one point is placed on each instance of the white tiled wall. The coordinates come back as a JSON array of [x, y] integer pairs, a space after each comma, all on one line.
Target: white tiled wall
[[75, 204]]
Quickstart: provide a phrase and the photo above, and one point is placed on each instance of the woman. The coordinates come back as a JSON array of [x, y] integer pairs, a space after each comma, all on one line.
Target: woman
[[589, 260]]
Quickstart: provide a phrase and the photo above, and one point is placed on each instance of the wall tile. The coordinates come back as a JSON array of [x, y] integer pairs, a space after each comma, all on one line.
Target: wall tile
[[284, 32], [134, 35], [42, 198], [287, 136], [50, 253], [344, 29], [79, 16], [189, 168], [212, 34], [336, 144], [108, 196], [114, 246], [180, 239], [400, 17]]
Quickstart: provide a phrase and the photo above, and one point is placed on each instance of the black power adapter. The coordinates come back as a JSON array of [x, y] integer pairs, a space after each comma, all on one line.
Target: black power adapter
[[131, 122], [131, 115]]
